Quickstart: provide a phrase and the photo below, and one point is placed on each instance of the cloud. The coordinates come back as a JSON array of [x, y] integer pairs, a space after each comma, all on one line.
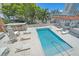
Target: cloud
[[61, 10]]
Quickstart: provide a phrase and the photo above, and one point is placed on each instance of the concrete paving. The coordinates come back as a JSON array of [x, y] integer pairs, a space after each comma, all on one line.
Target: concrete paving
[[34, 43]]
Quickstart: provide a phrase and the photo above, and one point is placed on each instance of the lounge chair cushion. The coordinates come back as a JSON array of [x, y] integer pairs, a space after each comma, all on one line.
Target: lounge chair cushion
[[17, 33], [65, 32]]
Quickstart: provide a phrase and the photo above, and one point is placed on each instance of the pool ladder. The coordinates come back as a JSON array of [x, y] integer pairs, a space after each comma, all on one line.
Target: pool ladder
[[59, 45]]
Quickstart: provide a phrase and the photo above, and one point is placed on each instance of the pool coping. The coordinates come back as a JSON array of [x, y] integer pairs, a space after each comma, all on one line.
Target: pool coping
[[35, 44], [66, 37]]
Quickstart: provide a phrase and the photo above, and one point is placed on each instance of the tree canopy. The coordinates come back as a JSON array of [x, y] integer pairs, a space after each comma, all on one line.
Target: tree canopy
[[28, 12]]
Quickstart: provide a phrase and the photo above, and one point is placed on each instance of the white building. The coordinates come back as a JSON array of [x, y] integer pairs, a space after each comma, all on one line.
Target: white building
[[71, 8], [67, 21]]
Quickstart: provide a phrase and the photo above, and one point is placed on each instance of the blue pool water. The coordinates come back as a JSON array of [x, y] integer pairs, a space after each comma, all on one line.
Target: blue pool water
[[51, 43]]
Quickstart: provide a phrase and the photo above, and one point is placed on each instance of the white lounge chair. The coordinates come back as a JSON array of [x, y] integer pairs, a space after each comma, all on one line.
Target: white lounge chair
[[22, 47], [17, 33], [2, 35], [19, 50], [64, 31], [22, 39], [60, 29], [25, 32], [4, 51]]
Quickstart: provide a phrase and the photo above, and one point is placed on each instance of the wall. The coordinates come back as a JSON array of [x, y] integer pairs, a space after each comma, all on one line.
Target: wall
[[69, 23]]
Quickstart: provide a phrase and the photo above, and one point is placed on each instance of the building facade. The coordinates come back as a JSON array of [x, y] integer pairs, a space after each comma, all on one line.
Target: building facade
[[67, 21], [71, 8], [69, 17]]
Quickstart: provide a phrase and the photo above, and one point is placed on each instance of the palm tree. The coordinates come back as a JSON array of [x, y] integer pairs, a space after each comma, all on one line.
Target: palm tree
[[45, 16]]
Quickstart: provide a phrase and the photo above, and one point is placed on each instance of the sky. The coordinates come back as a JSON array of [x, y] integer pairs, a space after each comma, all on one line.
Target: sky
[[51, 6]]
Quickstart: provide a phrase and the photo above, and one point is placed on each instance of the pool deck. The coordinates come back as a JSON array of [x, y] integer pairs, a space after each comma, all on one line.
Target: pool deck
[[34, 43]]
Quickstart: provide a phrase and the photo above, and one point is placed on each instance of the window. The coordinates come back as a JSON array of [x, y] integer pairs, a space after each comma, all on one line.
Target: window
[[67, 24]]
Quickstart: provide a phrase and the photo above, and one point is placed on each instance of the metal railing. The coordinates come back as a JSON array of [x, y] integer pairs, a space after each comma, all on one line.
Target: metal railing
[[54, 44], [60, 46], [58, 49]]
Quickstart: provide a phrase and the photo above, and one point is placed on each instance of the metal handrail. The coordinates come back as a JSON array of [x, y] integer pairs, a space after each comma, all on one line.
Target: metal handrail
[[63, 48], [55, 45], [58, 49]]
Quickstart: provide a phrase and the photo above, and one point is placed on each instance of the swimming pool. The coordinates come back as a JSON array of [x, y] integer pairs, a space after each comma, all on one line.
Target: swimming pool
[[51, 43]]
